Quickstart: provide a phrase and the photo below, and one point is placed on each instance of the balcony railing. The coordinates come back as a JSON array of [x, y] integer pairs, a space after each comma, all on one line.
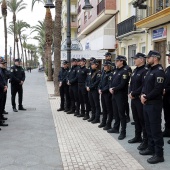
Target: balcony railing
[[79, 9], [127, 26], [100, 7]]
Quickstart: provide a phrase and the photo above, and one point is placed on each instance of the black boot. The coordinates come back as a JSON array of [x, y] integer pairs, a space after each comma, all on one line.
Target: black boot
[[5, 113], [143, 145], [95, 121], [107, 127], [71, 112], [91, 119], [76, 113], [113, 130], [60, 109], [136, 139], [66, 109], [21, 108], [146, 151], [82, 114], [3, 118], [122, 136], [155, 159], [15, 110], [102, 125], [2, 123]]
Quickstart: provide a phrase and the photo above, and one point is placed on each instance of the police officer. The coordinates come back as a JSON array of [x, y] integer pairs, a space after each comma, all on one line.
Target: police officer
[[135, 89], [3, 89], [82, 74], [118, 89], [108, 57], [106, 97], [64, 88], [73, 86], [17, 81], [166, 100], [92, 88], [127, 110], [151, 99]]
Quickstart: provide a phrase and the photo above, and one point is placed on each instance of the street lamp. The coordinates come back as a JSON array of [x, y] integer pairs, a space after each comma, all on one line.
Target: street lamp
[[87, 6], [49, 4]]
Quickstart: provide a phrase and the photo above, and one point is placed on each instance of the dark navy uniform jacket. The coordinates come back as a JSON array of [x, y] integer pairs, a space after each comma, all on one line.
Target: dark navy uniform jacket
[[154, 84], [137, 80], [62, 77], [17, 75], [119, 80], [167, 81], [2, 81], [72, 75], [93, 79], [104, 82], [82, 73]]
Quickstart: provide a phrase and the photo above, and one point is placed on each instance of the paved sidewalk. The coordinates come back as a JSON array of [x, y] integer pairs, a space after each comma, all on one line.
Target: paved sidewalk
[[30, 141]]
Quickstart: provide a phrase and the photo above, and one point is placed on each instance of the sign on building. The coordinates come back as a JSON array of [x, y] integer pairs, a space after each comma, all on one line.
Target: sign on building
[[159, 33]]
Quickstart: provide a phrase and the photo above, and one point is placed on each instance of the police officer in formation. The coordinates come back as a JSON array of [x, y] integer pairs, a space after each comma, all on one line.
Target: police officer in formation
[[3, 90], [166, 100], [73, 86], [92, 87], [17, 81], [136, 84], [147, 87], [64, 88], [151, 98], [106, 96]]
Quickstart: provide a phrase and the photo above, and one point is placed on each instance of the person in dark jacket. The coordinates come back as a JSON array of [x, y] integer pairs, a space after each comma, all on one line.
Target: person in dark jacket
[[118, 89], [151, 98], [106, 97], [136, 84], [73, 86], [166, 101], [17, 81], [92, 88], [3, 89], [64, 88]]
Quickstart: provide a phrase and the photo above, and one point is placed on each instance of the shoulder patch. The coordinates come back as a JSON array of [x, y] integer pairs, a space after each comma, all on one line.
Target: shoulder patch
[[124, 76], [160, 79], [110, 77], [12, 70], [160, 68], [98, 75], [125, 68]]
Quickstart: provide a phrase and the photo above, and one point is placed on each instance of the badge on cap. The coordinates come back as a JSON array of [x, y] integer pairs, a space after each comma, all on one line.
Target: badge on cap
[[160, 79]]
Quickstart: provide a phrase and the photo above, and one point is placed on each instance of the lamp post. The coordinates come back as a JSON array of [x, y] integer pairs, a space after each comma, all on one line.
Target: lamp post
[[86, 7]]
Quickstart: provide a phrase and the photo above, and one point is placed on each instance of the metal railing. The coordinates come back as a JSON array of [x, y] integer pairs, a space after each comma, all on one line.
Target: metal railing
[[100, 7], [126, 26], [79, 9]]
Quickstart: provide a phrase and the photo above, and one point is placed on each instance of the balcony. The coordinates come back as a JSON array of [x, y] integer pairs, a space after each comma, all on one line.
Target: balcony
[[126, 26], [100, 7], [73, 9], [79, 10], [155, 17]]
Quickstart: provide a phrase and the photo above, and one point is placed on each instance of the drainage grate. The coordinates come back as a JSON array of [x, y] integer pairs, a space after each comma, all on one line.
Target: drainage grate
[[31, 109]]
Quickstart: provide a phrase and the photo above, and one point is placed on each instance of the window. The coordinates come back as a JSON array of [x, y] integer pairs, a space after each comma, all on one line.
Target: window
[[161, 4], [143, 49], [73, 18], [131, 53]]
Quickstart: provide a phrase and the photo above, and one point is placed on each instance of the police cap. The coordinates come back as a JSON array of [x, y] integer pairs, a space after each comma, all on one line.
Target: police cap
[[2, 61], [95, 62], [168, 55], [121, 58], [83, 59], [107, 63], [153, 53], [139, 55], [17, 60], [108, 54], [65, 62], [92, 59], [73, 59], [78, 60]]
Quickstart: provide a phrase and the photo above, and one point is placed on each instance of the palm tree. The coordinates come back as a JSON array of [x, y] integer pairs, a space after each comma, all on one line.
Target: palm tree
[[4, 14], [15, 6], [57, 44], [20, 28], [48, 36], [24, 38]]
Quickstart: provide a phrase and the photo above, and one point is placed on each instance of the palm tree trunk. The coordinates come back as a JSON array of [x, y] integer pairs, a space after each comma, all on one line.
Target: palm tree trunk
[[49, 64], [57, 44], [25, 58], [18, 50], [14, 20], [5, 30], [21, 49]]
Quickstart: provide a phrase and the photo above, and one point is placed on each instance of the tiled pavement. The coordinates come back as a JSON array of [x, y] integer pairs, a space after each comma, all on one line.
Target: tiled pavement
[[30, 142]]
